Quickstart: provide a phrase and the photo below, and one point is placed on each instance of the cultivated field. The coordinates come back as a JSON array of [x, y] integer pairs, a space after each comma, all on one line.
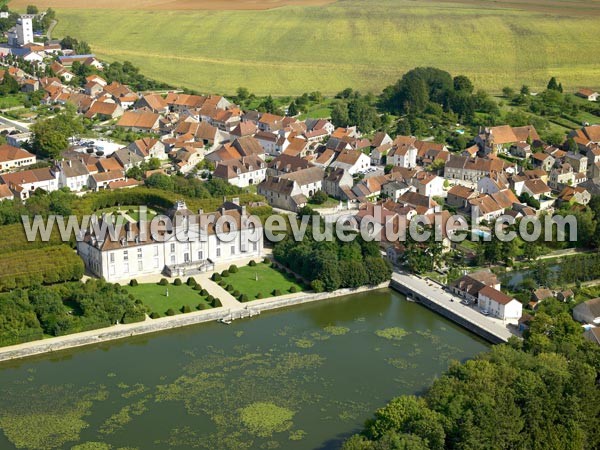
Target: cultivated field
[[356, 43]]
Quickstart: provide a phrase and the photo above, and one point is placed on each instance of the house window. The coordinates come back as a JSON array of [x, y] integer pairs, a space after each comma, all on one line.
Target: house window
[[140, 265], [112, 257], [126, 267], [112, 270], [233, 249], [218, 252], [156, 263], [172, 259], [139, 253], [200, 255], [254, 246], [172, 248], [126, 255], [156, 251]]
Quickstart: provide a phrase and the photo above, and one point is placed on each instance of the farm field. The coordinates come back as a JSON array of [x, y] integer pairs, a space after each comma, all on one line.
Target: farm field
[[349, 43]]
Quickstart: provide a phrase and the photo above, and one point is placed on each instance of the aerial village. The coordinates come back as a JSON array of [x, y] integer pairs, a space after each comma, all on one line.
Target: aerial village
[[288, 161]]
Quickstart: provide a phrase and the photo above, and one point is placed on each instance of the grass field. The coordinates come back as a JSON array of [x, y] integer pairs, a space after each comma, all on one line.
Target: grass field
[[154, 296], [364, 45], [268, 280]]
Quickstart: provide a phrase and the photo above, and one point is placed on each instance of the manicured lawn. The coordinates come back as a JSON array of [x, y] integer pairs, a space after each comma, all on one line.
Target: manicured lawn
[[269, 280], [154, 296], [346, 44]]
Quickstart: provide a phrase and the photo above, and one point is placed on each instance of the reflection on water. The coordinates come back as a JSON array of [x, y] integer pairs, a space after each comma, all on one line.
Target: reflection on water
[[301, 378]]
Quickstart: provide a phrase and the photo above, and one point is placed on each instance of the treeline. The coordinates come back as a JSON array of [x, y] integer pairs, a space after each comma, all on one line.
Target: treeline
[[45, 265], [124, 73], [27, 315], [538, 394], [332, 265]]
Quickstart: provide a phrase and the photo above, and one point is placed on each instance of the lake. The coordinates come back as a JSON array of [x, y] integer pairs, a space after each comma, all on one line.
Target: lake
[[301, 378]]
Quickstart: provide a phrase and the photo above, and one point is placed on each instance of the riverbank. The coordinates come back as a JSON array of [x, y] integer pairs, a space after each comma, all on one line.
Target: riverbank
[[121, 331]]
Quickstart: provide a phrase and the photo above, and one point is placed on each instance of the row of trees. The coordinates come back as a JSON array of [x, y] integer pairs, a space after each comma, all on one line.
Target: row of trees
[[331, 265], [540, 393], [64, 309]]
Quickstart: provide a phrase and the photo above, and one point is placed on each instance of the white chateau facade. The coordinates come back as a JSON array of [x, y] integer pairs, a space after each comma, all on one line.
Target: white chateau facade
[[194, 244]]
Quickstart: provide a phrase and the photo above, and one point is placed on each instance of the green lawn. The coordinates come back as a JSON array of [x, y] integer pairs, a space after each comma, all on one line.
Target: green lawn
[[154, 296], [269, 280], [350, 43]]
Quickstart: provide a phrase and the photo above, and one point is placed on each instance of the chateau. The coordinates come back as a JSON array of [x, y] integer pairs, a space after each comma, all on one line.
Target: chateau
[[194, 243]]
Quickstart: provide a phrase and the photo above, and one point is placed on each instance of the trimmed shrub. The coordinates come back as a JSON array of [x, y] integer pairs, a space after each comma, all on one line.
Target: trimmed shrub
[[197, 287], [266, 260], [236, 293], [203, 292], [216, 303], [225, 273], [154, 315], [222, 283], [186, 309], [233, 268], [133, 283], [202, 306], [177, 282], [317, 286], [209, 299], [243, 298], [191, 281], [163, 282], [170, 312], [293, 289], [229, 288], [259, 295], [216, 277], [276, 292], [252, 263]]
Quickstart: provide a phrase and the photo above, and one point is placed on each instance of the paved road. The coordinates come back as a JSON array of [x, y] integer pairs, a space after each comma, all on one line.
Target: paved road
[[22, 127], [435, 293]]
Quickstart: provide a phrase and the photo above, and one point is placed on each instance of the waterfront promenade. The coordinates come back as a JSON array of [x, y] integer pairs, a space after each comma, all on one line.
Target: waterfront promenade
[[439, 300]]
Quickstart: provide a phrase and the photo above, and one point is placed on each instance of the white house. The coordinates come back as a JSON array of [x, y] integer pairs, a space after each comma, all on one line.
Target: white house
[[403, 155], [243, 172], [192, 247], [14, 157], [499, 304], [24, 183], [72, 173], [353, 161]]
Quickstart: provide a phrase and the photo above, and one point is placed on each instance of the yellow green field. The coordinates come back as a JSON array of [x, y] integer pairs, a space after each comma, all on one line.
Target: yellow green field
[[349, 43]]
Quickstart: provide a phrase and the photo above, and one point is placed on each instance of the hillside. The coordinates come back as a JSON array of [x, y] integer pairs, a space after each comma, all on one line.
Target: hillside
[[365, 45]]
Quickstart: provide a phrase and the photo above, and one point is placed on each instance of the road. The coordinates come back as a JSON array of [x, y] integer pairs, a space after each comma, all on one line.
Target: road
[[436, 294], [50, 29], [20, 126]]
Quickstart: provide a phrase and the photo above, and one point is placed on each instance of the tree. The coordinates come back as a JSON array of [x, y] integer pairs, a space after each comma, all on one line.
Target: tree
[[525, 90], [242, 94], [292, 110], [508, 92], [552, 84], [463, 83], [268, 105], [32, 9], [319, 197], [51, 136], [339, 114]]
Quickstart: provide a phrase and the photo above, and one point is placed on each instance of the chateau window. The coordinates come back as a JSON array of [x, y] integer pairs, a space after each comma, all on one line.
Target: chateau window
[[156, 251], [112, 257], [233, 249], [172, 248], [139, 253], [126, 255], [218, 252]]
